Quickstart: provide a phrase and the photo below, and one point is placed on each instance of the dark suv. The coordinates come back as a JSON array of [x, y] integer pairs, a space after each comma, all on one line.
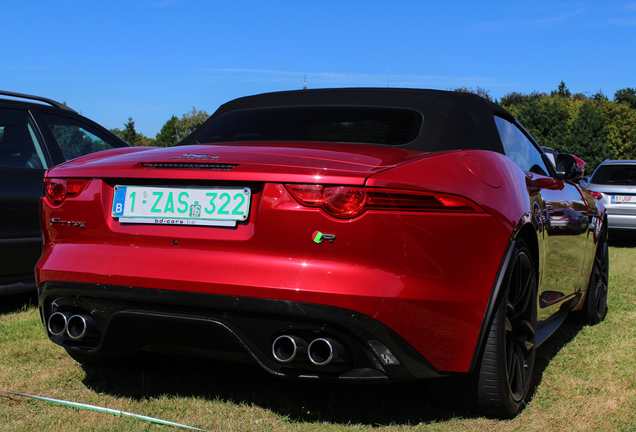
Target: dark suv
[[35, 134]]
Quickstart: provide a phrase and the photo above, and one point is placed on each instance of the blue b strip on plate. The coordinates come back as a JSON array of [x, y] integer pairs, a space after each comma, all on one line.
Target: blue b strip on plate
[[119, 201]]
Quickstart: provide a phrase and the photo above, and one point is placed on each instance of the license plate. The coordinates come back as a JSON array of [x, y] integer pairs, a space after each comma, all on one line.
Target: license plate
[[213, 206], [623, 199]]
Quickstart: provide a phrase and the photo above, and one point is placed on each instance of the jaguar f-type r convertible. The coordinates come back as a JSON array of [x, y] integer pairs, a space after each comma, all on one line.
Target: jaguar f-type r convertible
[[352, 234]]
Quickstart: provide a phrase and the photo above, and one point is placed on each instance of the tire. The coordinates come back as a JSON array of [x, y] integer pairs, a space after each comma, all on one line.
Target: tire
[[504, 372], [595, 307]]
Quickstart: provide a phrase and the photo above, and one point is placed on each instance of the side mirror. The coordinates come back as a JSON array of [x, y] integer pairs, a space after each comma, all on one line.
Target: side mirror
[[569, 167]]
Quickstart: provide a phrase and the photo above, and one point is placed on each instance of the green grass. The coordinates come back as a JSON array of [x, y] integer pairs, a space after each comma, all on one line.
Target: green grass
[[585, 380]]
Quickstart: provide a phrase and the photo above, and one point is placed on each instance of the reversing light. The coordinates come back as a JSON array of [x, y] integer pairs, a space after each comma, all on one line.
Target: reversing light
[[596, 195], [347, 202], [58, 189]]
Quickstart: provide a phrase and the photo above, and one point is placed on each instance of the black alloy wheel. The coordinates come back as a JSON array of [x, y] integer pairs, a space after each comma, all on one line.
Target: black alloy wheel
[[504, 373], [595, 307]]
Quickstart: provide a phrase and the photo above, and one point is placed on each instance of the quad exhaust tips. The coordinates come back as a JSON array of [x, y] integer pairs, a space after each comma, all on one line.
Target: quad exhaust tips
[[75, 327], [320, 351]]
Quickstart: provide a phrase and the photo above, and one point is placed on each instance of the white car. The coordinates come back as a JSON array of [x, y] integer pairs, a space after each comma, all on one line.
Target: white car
[[614, 184]]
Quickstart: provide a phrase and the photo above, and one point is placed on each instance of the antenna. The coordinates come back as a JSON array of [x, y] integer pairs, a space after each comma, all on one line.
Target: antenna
[[387, 78], [305, 83]]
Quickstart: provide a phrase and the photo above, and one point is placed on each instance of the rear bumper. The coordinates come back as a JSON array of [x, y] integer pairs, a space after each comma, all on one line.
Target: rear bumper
[[621, 221], [128, 319], [427, 276]]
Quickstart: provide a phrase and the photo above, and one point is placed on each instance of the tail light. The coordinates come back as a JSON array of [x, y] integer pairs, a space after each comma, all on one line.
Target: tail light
[[339, 201], [596, 195], [350, 201], [58, 189]]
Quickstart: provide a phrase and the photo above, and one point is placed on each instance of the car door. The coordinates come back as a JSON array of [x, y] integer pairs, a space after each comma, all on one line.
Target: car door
[[32, 140], [23, 159], [562, 218]]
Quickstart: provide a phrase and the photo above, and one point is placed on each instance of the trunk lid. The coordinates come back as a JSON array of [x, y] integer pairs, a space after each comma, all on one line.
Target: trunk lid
[[274, 162]]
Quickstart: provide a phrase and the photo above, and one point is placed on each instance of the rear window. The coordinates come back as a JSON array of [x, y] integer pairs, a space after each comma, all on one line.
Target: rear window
[[386, 126], [615, 175]]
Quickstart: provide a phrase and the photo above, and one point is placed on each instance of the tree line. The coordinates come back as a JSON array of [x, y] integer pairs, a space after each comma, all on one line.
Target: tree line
[[592, 127], [173, 131]]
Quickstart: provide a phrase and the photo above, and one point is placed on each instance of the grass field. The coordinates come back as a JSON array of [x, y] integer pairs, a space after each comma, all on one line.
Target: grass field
[[585, 380]]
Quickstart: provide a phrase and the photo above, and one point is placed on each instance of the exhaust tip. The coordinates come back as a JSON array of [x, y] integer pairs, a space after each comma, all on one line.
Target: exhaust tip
[[285, 348], [76, 327], [57, 324], [321, 351]]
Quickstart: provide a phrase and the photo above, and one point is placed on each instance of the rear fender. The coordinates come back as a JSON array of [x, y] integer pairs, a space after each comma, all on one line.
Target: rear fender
[[526, 229], [489, 179]]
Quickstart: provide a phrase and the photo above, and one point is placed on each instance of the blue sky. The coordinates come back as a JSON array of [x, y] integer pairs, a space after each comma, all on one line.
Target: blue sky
[[151, 59]]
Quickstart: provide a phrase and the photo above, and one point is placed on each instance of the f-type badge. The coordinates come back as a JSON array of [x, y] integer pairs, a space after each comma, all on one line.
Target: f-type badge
[[67, 223], [319, 237]]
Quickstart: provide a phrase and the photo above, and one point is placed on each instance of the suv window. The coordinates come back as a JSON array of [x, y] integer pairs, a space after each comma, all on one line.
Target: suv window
[[615, 175], [519, 148], [20, 144], [76, 138]]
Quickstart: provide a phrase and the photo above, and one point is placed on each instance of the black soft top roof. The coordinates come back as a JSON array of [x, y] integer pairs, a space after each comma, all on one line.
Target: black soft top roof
[[451, 120]]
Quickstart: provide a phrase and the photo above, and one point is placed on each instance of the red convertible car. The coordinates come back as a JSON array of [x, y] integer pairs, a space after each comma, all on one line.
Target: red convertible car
[[352, 234]]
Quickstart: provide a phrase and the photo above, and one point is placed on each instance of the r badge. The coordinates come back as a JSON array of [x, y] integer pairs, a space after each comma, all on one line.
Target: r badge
[[319, 237]]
